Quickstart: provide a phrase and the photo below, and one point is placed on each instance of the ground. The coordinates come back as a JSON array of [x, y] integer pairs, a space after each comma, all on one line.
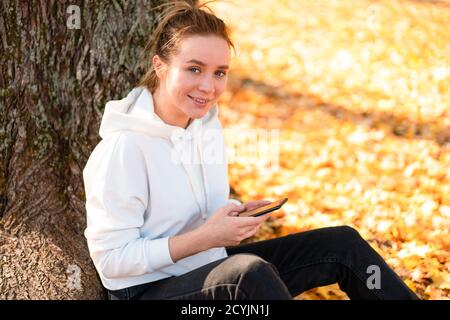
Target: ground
[[358, 93]]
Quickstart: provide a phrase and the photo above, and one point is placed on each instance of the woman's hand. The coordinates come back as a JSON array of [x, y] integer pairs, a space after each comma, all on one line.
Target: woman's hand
[[224, 228], [255, 204]]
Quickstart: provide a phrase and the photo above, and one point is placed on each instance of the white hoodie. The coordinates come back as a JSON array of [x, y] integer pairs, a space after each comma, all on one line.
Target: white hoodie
[[144, 184]]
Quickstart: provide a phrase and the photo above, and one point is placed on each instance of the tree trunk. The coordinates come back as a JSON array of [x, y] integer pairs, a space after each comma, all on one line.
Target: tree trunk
[[54, 82]]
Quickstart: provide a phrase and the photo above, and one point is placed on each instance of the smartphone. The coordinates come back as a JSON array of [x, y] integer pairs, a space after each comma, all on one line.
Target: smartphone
[[264, 209]]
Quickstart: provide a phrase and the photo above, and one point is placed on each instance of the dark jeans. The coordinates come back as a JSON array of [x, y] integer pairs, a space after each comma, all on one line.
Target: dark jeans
[[282, 268]]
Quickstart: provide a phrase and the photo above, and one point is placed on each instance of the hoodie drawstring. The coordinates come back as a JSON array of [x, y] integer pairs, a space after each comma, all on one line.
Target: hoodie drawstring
[[205, 180]]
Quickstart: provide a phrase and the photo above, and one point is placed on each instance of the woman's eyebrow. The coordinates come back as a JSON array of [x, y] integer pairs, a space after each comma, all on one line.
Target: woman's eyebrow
[[204, 64]]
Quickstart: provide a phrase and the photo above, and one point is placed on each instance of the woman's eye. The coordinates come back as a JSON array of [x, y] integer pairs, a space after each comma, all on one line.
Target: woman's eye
[[223, 74]]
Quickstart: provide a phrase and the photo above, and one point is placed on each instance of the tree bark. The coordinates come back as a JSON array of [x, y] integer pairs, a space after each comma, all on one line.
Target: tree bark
[[54, 84]]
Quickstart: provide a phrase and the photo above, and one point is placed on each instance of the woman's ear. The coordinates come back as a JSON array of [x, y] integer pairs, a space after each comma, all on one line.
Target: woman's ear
[[158, 65]]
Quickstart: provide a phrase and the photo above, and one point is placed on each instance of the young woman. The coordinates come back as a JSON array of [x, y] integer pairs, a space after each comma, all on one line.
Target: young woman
[[159, 221]]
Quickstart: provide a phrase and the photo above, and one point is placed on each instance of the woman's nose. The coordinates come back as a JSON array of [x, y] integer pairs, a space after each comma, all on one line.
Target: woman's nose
[[206, 84]]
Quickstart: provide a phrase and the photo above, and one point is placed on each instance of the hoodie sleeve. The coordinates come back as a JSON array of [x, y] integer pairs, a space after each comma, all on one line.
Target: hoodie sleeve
[[117, 196]]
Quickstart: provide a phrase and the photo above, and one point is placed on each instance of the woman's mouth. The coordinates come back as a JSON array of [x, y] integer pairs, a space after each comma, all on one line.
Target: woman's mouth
[[199, 102]]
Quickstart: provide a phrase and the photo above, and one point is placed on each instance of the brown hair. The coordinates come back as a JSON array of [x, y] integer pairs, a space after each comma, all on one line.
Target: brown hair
[[181, 19]]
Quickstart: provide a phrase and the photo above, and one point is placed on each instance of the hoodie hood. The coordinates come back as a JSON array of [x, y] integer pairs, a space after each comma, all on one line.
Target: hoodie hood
[[117, 117], [136, 113]]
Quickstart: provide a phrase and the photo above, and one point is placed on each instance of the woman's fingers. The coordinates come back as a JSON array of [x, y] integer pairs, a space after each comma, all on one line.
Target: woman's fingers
[[247, 221], [264, 217], [256, 204], [233, 209], [233, 213], [263, 202], [251, 221], [250, 232]]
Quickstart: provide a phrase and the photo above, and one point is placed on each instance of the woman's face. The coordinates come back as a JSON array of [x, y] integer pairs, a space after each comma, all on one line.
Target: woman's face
[[199, 70]]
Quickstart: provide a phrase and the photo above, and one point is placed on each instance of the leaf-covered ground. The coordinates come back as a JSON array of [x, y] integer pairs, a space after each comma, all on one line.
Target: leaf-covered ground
[[360, 93]]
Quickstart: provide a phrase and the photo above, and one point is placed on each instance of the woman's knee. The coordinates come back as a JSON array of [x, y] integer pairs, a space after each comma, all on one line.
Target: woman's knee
[[347, 233], [251, 266], [248, 261], [338, 239], [259, 279]]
